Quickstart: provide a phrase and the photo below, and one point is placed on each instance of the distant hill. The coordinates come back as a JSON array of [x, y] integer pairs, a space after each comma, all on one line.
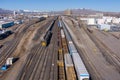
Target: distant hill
[[88, 12], [4, 11], [92, 12], [84, 11]]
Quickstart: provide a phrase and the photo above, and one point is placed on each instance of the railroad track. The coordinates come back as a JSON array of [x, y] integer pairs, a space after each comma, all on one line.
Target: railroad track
[[7, 52], [90, 66], [106, 52], [51, 59], [31, 63], [10, 49], [39, 62], [61, 68], [31, 59]]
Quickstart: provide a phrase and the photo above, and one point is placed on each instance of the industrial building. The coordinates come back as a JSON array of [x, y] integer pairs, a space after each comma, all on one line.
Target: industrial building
[[107, 19], [89, 21], [105, 27], [4, 24], [18, 22], [100, 21], [45, 15], [103, 20], [116, 20], [67, 12]]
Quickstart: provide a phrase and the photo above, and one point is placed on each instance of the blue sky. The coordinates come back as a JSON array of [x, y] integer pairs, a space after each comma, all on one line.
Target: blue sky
[[52, 5]]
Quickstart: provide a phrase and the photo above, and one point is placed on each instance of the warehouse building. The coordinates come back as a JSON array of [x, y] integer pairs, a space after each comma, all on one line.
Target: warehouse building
[[89, 21], [116, 20], [18, 22], [4, 24], [105, 27], [100, 21], [67, 12]]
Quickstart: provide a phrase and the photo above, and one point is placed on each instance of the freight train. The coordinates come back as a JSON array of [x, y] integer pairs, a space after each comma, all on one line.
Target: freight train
[[69, 67], [46, 37], [4, 34], [81, 71]]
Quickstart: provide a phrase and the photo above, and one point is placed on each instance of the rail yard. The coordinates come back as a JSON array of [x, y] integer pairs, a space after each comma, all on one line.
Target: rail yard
[[58, 48]]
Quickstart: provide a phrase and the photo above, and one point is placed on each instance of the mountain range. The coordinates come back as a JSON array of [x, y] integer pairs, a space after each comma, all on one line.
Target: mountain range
[[74, 11]]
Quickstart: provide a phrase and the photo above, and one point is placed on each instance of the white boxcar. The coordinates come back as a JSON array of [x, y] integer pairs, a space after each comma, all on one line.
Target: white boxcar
[[62, 34], [71, 47], [80, 67]]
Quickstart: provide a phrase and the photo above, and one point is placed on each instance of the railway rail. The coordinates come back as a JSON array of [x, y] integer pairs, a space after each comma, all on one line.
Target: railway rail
[[107, 53], [9, 50], [41, 63], [95, 62], [61, 69]]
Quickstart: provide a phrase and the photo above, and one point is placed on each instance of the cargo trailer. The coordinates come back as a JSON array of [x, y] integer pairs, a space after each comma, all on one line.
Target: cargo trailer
[[80, 68]]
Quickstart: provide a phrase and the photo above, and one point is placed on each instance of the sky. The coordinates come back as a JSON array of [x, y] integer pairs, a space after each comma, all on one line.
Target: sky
[[58, 5]]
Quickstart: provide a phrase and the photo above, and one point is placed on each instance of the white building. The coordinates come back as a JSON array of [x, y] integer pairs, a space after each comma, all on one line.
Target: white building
[[105, 27], [115, 20], [18, 22], [89, 21], [107, 19], [45, 15], [100, 21]]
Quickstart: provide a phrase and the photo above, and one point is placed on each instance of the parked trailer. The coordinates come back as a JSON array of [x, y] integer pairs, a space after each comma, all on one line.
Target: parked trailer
[[69, 67], [80, 67]]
